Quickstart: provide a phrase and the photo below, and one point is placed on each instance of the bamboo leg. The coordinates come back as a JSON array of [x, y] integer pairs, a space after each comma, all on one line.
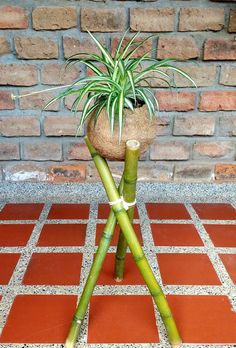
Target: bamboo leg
[[92, 279], [139, 257], [129, 195]]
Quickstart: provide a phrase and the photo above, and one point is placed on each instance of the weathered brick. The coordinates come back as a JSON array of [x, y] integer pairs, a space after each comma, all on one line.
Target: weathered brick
[[18, 74], [13, 17], [169, 150], [227, 125], [103, 20], [225, 172], [19, 126], [228, 75], [179, 47], [9, 151], [74, 45], [54, 18], [4, 46], [193, 172], [213, 150], [115, 167], [70, 100], [38, 101], [217, 100], [232, 21], [200, 19], [42, 151], [155, 171], [164, 125], [61, 126], [67, 173], [31, 172], [77, 151], [175, 101], [202, 75], [35, 48], [6, 102], [152, 19], [147, 46], [220, 49], [194, 125], [55, 74]]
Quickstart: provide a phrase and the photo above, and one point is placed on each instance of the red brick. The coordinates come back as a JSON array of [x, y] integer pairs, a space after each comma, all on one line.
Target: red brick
[[55, 74], [199, 19], [13, 17], [164, 126], [220, 49], [228, 75], [227, 126], [74, 45], [103, 20], [202, 75], [4, 46], [147, 46], [224, 149], [35, 47], [67, 173], [18, 74], [232, 22], [38, 101], [54, 18], [61, 126], [78, 151], [217, 100], [225, 172], [42, 151], [169, 150], [194, 125], [17, 126], [176, 101], [9, 151], [152, 19], [25, 172], [179, 47], [6, 102], [193, 172]]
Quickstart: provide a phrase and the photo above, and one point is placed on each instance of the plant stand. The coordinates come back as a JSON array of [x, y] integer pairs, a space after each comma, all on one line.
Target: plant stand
[[119, 214]]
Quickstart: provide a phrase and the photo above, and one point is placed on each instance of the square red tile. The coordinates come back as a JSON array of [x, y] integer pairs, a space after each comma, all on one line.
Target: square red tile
[[62, 235], [8, 263], [165, 211], [204, 319], [104, 210], [39, 319], [53, 269], [12, 235], [222, 235], [122, 319], [229, 261], [114, 241], [215, 211], [187, 269], [132, 275], [69, 211], [21, 211], [175, 235]]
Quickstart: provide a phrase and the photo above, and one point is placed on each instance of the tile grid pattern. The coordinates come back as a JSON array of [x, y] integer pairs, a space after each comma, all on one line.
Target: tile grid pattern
[[15, 287]]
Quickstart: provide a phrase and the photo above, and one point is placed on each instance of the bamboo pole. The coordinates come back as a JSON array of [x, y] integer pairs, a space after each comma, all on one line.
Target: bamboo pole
[[129, 195], [133, 243], [92, 278]]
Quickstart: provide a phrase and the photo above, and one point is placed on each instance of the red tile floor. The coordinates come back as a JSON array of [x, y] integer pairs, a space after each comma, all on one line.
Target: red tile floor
[[47, 249]]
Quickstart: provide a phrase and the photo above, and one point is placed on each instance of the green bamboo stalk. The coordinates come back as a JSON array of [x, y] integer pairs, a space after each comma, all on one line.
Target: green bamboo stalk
[[129, 195], [133, 243], [92, 278]]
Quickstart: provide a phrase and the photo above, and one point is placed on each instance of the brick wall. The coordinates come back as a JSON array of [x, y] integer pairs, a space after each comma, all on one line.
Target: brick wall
[[196, 127]]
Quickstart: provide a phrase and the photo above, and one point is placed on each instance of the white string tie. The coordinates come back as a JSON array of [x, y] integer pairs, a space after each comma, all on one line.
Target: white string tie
[[126, 205]]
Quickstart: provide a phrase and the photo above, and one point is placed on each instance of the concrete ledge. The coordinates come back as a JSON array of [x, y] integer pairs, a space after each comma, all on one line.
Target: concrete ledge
[[161, 192]]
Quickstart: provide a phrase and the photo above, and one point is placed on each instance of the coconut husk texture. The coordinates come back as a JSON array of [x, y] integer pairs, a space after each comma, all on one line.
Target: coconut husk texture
[[137, 126]]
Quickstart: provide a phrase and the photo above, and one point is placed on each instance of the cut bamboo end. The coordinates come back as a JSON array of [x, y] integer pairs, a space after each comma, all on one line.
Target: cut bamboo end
[[118, 280], [133, 144]]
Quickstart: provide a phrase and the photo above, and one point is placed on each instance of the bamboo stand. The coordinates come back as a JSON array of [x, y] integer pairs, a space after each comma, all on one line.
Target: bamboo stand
[[118, 214]]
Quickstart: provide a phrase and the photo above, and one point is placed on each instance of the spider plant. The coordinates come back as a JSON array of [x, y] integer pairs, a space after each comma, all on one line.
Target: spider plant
[[117, 81]]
